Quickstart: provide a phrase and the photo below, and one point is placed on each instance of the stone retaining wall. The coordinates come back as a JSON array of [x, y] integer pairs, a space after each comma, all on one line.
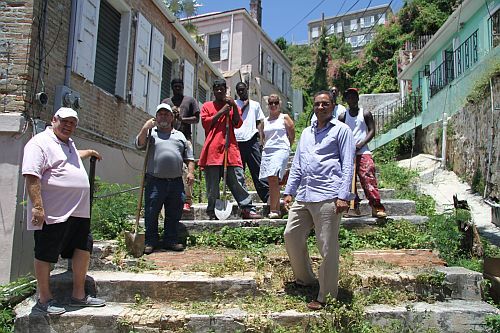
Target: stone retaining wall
[[469, 140]]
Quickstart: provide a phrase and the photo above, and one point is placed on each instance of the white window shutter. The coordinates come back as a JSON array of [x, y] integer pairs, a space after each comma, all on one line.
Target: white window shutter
[[86, 38], [188, 79], [155, 70], [141, 62], [280, 78], [224, 44], [362, 22]]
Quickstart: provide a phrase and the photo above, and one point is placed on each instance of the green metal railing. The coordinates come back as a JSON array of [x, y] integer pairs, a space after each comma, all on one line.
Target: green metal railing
[[397, 113]]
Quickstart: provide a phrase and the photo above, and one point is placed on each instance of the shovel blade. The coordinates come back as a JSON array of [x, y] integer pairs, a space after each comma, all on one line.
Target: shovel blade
[[134, 242], [223, 209]]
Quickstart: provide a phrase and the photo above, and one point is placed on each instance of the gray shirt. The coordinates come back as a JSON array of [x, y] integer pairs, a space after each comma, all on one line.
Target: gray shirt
[[167, 152], [188, 108]]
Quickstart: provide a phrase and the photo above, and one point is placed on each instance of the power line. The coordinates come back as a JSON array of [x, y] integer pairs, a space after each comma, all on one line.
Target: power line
[[376, 23], [305, 16], [362, 16]]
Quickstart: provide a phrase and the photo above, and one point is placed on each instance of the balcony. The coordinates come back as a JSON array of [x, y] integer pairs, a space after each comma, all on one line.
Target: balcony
[[454, 64]]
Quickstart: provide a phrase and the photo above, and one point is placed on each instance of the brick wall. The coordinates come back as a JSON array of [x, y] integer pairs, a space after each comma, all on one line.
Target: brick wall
[[468, 141], [15, 34]]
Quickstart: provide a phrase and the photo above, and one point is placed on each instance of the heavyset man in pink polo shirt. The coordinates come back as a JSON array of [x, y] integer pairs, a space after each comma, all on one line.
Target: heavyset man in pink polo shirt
[[59, 208]]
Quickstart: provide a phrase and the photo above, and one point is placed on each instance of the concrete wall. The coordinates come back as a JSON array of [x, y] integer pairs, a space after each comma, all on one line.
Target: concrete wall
[[469, 140], [373, 102]]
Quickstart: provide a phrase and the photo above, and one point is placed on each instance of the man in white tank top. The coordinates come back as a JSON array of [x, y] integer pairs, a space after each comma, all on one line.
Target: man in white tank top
[[363, 128]]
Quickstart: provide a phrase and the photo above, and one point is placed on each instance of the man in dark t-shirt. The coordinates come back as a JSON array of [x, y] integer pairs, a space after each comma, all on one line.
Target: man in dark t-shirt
[[186, 112]]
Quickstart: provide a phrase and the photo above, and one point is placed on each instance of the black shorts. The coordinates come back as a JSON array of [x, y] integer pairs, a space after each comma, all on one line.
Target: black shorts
[[62, 239]]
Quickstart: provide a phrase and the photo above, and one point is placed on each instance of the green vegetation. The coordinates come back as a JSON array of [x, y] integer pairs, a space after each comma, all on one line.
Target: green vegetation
[[10, 295], [110, 214], [481, 87]]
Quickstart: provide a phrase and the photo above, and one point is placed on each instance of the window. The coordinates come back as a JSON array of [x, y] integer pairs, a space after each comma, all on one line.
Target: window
[[148, 66], [372, 21], [275, 72], [354, 25], [315, 32], [102, 32], [381, 19], [261, 60], [202, 93], [166, 78], [331, 29], [362, 22], [354, 41], [214, 47], [339, 27]]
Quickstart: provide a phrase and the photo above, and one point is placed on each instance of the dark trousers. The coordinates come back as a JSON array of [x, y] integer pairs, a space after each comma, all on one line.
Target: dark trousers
[[250, 156], [158, 193]]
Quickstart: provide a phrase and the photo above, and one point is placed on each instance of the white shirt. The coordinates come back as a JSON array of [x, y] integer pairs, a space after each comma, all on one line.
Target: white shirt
[[359, 129], [251, 114], [64, 181], [337, 111]]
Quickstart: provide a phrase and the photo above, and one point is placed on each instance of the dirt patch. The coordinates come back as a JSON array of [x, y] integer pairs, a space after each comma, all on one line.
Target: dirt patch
[[401, 258], [169, 260]]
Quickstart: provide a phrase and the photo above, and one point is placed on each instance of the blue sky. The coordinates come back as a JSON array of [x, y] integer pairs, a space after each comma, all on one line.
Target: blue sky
[[279, 16]]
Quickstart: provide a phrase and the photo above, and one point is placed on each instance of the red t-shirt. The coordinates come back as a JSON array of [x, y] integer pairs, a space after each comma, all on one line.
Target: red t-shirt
[[212, 152]]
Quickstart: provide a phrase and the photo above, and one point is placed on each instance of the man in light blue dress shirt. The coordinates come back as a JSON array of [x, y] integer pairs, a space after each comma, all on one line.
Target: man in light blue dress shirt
[[320, 180]]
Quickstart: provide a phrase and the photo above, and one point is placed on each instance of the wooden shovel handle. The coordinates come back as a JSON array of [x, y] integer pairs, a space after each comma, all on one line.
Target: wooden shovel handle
[[353, 185]]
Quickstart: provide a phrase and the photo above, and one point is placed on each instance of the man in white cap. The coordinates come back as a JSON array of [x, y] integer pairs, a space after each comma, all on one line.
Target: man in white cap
[[59, 208], [168, 150]]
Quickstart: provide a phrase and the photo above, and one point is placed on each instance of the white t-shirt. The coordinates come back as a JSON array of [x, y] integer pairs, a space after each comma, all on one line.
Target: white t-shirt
[[337, 111], [251, 114], [64, 181]]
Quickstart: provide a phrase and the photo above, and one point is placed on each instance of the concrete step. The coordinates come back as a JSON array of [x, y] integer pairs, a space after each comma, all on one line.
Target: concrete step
[[447, 317], [156, 286], [351, 222], [385, 193], [392, 206]]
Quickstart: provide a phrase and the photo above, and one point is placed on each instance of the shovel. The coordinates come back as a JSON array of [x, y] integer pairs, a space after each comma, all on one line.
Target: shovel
[[134, 242], [223, 208]]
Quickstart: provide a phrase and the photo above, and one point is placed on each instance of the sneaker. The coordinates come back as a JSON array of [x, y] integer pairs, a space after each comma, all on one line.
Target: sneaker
[[87, 301], [50, 308], [356, 212], [274, 215], [148, 249], [250, 214], [186, 208], [178, 247], [212, 216], [379, 213]]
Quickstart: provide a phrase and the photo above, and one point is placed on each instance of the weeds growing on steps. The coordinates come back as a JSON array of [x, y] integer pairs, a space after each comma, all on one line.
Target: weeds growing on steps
[[11, 294]]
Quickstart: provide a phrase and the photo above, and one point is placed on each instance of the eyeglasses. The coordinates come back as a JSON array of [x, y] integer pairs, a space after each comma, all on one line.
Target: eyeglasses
[[324, 104], [273, 103]]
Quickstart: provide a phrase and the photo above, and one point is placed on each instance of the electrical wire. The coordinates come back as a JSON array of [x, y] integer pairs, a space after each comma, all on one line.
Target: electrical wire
[[362, 16], [305, 16]]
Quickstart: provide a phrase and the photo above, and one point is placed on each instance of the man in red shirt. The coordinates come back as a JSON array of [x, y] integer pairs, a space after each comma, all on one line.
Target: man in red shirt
[[213, 119]]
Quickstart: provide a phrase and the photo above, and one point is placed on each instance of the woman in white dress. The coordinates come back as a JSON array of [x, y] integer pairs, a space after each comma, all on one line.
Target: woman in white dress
[[278, 134]]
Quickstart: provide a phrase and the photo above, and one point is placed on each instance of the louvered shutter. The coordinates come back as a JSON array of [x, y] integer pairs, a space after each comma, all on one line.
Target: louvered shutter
[[188, 79], [86, 38], [155, 69], [166, 78], [269, 68], [224, 44], [141, 63], [280, 78]]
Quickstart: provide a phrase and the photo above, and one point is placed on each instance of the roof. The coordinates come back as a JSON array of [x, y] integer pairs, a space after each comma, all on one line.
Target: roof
[[245, 13], [180, 28], [360, 11], [449, 28]]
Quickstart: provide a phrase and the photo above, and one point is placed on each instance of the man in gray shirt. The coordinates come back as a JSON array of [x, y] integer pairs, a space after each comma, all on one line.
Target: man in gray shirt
[[168, 150]]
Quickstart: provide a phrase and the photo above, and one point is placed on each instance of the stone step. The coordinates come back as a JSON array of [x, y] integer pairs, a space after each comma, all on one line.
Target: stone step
[[454, 282], [448, 317], [392, 206], [385, 193], [156, 286], [351, 222]]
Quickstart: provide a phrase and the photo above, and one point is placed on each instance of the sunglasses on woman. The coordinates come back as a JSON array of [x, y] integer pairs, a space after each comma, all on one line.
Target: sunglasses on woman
[[273, 103]]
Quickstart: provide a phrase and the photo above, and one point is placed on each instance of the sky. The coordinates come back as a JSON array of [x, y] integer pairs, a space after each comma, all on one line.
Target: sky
[[280, 16]]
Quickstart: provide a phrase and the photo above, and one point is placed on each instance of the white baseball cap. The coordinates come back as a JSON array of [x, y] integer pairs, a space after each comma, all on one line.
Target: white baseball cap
[[66, 113], [163, 106]]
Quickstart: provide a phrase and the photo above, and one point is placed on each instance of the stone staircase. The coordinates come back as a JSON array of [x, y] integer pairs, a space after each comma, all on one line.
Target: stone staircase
[[180, 299]]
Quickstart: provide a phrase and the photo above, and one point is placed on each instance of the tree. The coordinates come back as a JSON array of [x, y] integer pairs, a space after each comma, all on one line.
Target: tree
[[319, 77], [186, 8], [282, 43]]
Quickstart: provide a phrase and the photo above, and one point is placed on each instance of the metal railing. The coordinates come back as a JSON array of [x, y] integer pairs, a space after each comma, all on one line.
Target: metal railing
[[454, 64], [397, 113], [417, 44], [494, 30]]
